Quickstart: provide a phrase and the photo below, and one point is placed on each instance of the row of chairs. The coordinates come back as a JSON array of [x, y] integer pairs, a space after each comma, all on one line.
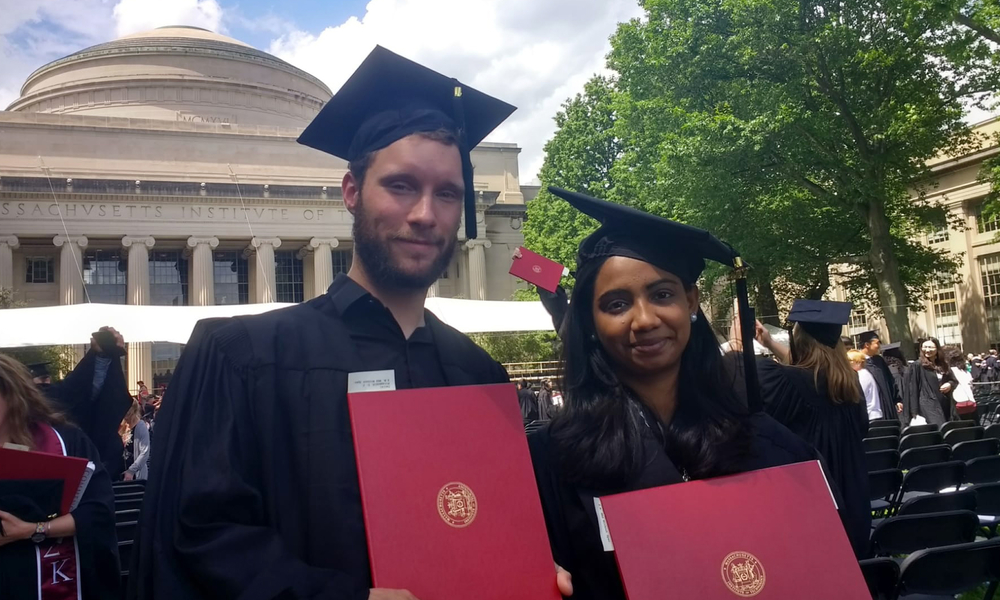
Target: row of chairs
[[982, 464], [943, 571], [940, 486], [128, 503]]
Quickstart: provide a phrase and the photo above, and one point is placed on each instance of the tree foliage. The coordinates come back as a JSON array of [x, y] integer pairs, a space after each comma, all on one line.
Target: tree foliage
[[509, 348], [60, 357]]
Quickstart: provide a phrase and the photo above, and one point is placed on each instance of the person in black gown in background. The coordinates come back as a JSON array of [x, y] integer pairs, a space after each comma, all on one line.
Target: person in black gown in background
[[816, 394], [890, 400], [927, 386], [646, 398]]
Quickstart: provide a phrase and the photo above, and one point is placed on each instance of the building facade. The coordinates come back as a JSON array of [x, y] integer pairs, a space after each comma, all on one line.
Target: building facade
[[162, 168]]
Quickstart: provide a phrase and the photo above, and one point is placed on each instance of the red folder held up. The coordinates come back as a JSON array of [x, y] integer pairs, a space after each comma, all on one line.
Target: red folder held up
[[24, 465], [450, 500], [770, 534], [536, 269]]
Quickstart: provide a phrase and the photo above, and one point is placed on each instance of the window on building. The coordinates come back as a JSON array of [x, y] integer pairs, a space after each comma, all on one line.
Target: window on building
[[232, 282], [938, 237], [164, 360], [989, 272], [105, 275], [859, 320], [989, 222], [342, 261], [39, 270], [288, 280], [168, 278], [945, 302]]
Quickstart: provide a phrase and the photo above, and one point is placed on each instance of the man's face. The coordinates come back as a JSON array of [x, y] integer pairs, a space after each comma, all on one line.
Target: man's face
[[873, 346], [407, 213]]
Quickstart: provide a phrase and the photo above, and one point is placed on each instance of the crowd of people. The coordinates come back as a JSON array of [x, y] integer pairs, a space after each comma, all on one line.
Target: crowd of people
[[252, 485]]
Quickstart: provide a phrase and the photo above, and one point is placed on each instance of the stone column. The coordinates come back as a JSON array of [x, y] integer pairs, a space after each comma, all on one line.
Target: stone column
[[8, 243], [70, 268], [264, 268], [140, 354], [322, 263], [202, 291], [477, 268]]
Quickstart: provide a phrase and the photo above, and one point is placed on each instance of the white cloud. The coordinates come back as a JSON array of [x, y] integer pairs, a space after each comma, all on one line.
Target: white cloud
[[531, 53], [133, 16]]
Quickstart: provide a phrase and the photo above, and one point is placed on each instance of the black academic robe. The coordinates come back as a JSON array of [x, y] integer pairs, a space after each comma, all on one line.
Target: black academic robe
[[253, 491], [97, 416], [99, 570], [571, 519], [836, 430], [888, 394], [922, 394], [529, 404]]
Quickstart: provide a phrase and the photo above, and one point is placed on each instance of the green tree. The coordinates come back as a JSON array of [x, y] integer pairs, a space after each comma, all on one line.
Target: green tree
[[59, 356], [509, 348]]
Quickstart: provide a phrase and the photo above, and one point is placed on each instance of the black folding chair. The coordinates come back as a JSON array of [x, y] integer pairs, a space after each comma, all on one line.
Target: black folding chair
[[951, 570], [884, 423], [976, 448], [988, 506], [883, 487], [919, 440], [914, 457], [966, 434], [880, 443], [128, 504], [931, 479], [953, 425], [125, 530], [129, 495], [985, 469], [908, 533], [874, 432], [935, 503], [124, 516], [881, 460], [910, 429], [993, 431], [882, 576]]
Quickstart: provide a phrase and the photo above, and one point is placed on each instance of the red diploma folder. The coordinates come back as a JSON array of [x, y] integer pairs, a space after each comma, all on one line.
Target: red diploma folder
[[73, 472], [450, 500], [768, 534], [538, 270]]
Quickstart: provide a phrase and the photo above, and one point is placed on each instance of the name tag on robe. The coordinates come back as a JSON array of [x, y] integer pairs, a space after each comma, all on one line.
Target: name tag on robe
[[371, 381]]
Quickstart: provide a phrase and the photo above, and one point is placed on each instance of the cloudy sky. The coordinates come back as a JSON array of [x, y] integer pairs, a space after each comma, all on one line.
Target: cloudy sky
[[531, 53]]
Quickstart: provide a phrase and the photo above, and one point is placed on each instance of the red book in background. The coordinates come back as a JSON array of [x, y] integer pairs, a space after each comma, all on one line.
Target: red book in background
[[450, 500], [73, 472], [536, 269], [770, 534]]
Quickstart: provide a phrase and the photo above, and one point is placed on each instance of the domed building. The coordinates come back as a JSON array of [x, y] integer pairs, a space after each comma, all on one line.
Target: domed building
[[162, 168]]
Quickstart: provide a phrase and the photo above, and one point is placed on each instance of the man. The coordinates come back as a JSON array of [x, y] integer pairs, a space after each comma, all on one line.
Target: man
[[528, 402], [890, 401], [992, 366], [254, 489], [546, 410], [94, 395]]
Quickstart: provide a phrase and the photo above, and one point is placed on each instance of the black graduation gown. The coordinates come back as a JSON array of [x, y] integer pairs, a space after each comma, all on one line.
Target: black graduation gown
[[888, 395], [922, 394], [529, 404], [835, 430], [253, 491], [97, 416], [99, 570], [570, 515]]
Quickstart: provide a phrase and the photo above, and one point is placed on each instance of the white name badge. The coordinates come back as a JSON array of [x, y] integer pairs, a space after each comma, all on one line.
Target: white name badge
[[371, 381]]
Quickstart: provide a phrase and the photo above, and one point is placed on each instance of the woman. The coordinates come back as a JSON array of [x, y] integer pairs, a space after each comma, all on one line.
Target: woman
[[927, 386], [817, 395], [868, 384], [963, 398], [82, 541], [645, 402], [135, 438]]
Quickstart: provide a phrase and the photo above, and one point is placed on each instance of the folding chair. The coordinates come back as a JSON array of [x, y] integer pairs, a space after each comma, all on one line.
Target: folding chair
[[910, 429], [951, 570], [128, 504], [993, 431], [883, 487], [880, 443], [124, 516], [125, 530], [988, 506], [919, 440], [914, 457], [874, 432], [881, 575], [965, 434], [884, 423], [881, 460], [930, 479], [131, 496], [985, 469], [953, 425], [908, 533], [935, 503], [968, 450]]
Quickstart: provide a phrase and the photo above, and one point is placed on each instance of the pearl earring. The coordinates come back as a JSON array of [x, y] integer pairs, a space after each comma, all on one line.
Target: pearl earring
[[694, 318]]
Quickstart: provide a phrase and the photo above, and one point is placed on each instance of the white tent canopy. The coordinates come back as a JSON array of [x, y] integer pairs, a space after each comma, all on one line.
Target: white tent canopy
[[73, 324]]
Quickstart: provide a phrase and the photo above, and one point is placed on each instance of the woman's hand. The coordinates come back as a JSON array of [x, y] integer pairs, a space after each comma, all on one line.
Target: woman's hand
[[945, 387], [762, 335], [899, 407], [564, 581], [14, 529]]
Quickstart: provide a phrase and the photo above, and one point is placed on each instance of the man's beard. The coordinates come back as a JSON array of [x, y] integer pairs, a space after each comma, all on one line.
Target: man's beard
[[377, 259]]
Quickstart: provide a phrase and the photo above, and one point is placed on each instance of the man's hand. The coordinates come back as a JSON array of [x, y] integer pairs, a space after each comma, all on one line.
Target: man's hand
[[119, 340], [126, 476], [899, 407], [384, 594], [564, 581]]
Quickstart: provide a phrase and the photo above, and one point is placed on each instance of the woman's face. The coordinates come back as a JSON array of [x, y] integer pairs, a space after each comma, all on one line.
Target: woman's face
[[857, 366], [929, 350], [642, 315]]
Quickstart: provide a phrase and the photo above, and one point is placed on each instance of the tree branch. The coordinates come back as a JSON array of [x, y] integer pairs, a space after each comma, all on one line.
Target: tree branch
[[979, 28]]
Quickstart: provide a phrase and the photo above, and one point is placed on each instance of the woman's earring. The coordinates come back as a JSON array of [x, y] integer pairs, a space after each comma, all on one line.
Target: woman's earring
[[694, 318]]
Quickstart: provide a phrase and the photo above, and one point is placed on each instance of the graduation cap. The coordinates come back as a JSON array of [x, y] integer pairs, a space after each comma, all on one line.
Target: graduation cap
[[674, 247], [867, 336], [821, 319], [39, 369], [390, 97]]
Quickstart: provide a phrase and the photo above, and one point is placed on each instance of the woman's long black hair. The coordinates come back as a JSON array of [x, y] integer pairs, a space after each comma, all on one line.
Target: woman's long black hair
[[598, 437]]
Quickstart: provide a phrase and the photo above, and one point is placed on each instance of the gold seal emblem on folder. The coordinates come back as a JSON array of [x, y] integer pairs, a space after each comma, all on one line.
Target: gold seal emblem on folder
[[457, 504], [743, 574]]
